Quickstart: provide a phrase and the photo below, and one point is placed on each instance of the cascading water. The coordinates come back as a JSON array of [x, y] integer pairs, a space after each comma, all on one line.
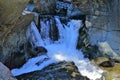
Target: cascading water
[[62, 50]]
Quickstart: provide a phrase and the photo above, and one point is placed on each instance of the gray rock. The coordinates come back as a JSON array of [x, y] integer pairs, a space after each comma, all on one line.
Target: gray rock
[[106, 50], [5, 73], [13, 26], [57, 71], [102, 21]]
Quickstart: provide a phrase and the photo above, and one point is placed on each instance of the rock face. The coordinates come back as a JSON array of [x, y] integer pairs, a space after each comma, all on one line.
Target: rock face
[[58, 71], [45, 6], [5, 73], [13, 26], [102, 21]]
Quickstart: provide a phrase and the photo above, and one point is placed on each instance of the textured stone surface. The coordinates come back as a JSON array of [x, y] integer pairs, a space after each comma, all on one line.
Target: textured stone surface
[[58, 71], [45, 6], [93, 7], [106, 50], [11, 10], [13, 26], [102, 21], [5, 73]]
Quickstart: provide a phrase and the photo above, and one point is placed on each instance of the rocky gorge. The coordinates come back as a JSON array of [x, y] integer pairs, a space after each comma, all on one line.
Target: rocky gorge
[[98, 37]]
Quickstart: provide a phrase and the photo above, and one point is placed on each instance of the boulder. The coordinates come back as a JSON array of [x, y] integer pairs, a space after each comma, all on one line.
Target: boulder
[[56, 71], [5, 73], [106, 50], [13, 27]]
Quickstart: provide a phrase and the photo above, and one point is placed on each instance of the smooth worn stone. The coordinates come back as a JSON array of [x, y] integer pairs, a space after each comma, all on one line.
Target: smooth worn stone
[[106, 50], [5, 73]]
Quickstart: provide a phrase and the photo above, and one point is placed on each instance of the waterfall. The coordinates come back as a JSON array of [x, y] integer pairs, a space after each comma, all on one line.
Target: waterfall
[[62, 50], [34, 36], [45, 27]]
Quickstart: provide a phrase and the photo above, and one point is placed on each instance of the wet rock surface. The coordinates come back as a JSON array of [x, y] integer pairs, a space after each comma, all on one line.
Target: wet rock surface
[[101, 18], [57, 71]]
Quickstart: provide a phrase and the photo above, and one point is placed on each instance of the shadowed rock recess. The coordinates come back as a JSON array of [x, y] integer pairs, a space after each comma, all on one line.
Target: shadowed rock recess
[[99, 37]]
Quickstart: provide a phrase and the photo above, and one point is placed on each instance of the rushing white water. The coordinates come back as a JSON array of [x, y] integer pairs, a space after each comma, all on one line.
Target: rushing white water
[[45, 27], [33, 35], [64, 49]]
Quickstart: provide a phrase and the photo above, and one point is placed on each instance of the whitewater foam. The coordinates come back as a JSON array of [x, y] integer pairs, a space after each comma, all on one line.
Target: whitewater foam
[[63, 50]]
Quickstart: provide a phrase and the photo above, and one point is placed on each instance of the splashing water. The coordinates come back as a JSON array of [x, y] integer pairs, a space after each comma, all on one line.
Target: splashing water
[[63, 49]]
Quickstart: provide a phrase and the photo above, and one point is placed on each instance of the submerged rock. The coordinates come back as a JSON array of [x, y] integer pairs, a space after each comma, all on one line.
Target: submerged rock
[[58, 71]]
